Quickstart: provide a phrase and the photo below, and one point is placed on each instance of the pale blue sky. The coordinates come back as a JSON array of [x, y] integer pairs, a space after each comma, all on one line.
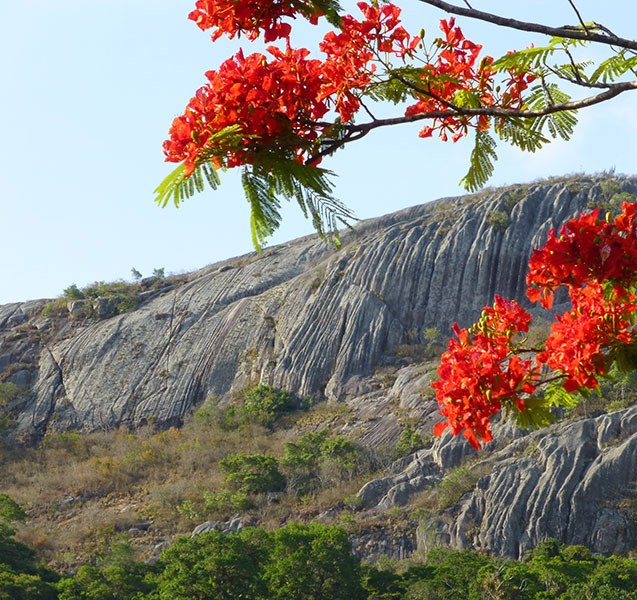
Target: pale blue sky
[[90, 88]]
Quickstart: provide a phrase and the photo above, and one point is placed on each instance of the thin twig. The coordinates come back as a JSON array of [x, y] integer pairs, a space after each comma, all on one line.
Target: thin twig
[[565, 32], [579, 16]]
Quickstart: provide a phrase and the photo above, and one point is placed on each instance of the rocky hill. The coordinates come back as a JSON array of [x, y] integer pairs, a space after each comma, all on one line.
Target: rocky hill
[[357, 327]]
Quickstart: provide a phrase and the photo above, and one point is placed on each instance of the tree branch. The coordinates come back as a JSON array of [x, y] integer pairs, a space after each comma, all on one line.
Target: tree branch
[[456, 111], [565, 32]]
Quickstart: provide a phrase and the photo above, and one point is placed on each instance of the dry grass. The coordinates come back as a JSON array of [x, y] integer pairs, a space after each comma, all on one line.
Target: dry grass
[[82, 491]]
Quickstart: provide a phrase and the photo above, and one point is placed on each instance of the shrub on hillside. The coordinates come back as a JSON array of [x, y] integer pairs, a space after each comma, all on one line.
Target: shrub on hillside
[[252, 473], [265, 404]]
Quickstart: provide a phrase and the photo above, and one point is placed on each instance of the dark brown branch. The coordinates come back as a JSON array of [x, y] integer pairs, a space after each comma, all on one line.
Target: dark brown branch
[[505, 113], [565, 32]]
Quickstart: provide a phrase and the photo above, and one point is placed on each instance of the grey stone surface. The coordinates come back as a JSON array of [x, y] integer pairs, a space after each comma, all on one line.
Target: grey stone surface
[[303, 317], [337, 325]]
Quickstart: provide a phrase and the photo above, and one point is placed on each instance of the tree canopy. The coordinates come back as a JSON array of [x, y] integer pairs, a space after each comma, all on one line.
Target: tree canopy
[[277, 116]]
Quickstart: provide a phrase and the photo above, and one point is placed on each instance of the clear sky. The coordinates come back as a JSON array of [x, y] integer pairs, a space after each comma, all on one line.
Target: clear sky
[[90, 87]]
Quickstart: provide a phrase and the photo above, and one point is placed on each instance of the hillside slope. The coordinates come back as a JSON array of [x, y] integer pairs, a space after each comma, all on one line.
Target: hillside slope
[[302, 317], [359, 327]]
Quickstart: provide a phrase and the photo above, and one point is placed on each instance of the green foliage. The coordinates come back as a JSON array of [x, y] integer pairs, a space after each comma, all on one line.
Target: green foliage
[[220, 505], [159, 273], [614, 67], [123, 294], [456, 483], [177, 187], [9, 391], [212, 565], [273, 177], [252, 473], [499, 220], [73, 293], [11, 511], [409, 442], [270, 176], [265, 404], [55, 308], [21, 578], [135, 274], [333, 573], [482, 157], [226, 502], [24, 586], [315, 460], [119, 577]]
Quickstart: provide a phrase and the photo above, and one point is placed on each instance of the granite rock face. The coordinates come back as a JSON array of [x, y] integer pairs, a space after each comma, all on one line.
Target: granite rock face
[[303, 317], [575, 482], [350, 326]]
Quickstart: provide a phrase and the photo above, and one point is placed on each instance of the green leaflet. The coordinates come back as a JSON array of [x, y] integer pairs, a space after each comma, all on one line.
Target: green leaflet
[[526, 134], [269, 178], [535, 58], [614, 67], [535, 414], [401, 85], [482, 158], [559, 124], [625, 357], [556, 396], [329, 8]]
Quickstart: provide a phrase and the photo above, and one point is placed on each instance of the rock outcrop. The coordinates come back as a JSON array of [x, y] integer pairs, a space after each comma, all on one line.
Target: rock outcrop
[[350, 326], [575, 482], [303, 317]]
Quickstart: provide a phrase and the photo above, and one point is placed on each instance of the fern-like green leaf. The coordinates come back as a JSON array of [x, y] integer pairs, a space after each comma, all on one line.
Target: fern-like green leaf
[[482, 158], [523, 133], [271, 176], [534, 58], [536, 414], [614, 67], [555, 396], [625, 357]]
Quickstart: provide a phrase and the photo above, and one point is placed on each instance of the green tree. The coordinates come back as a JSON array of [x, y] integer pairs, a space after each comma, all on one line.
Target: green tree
[[315, 460], [21, 577], [252, 473], [313, 562], [265, 404], [214, 566]]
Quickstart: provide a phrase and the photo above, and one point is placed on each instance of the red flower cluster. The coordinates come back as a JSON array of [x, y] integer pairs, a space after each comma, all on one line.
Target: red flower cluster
[[277, 103], [349, 53], [596, 261], [586, 250], [457, 72], [581, 341], [249, 17], [271, 102], [479, 373]]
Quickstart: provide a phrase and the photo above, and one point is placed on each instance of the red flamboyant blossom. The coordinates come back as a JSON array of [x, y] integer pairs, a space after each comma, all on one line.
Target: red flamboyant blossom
[[270, 101], [456, 72], [580, 340], [479, 374], [276, 103], [587, 249], [250, 17], [350, 52]]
